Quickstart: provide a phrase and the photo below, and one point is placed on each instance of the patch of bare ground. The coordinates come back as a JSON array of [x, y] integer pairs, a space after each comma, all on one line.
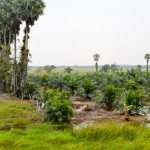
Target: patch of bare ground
[[5, 96], [85, 111], [91, 113]]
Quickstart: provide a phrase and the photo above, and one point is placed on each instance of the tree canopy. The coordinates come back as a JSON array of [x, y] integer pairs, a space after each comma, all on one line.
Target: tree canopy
[[12, 14]]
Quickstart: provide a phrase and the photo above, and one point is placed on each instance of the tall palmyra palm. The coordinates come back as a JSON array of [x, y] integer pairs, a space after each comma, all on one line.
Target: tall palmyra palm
[[31, 10], [96, 59], [147, 57]]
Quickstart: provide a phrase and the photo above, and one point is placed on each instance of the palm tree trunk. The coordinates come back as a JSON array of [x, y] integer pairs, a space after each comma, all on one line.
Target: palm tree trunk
[[3, 85], [5, 44], [15, 63], [24, 56], [26, 36], [96, 66], [4, 59], [147, 65], [9, 42]]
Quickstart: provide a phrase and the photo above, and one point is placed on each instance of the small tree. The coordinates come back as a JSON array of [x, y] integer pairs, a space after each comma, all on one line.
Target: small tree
[[88, 87], [96, 59], [113, 67], [49, 68], [105, 68], [109, 96], [68, 70], [139, 67]]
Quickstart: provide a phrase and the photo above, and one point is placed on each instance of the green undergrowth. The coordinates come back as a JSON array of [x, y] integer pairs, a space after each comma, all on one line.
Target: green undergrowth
[[21, 128], [17, 114]]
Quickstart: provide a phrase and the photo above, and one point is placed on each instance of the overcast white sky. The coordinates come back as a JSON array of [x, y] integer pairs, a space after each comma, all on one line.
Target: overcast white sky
[[71, 31]]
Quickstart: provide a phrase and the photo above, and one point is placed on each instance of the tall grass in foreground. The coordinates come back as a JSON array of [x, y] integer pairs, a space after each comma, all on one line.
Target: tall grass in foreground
[[25, 131], [107, 136]]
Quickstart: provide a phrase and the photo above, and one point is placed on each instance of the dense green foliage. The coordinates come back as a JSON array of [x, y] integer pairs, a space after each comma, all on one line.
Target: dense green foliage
[[108, 89], [58, 107], [13, 67]]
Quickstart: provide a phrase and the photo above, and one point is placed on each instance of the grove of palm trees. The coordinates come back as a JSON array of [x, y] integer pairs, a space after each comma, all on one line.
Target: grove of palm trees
[[12, 15]]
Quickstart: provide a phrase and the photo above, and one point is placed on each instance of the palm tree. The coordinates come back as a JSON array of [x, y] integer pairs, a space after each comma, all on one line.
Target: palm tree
[[30, 10], [5, 23], [15, 28], [96, 59], [147, 57]]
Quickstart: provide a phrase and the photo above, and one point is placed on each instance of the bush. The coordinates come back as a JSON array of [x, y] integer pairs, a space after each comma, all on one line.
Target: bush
[[58, 108], [88, 87], [58, 111], [134, 98], [109, 96]]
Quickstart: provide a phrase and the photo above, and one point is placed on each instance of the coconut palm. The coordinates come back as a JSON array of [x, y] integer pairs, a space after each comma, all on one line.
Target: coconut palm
[[147, 57]]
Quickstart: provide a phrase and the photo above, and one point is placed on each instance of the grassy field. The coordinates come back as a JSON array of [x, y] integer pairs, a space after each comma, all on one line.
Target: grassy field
[[79, 69], [21, 128]]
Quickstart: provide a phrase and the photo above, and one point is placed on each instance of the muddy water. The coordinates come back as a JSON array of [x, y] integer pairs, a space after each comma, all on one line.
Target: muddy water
[[86, 117]]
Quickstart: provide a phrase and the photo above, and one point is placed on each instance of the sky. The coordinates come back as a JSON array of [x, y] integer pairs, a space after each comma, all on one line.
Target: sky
[[71, 31]]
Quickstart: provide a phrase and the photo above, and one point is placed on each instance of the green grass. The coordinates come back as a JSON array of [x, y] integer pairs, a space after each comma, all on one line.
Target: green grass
[[17, 114], [21, 128]]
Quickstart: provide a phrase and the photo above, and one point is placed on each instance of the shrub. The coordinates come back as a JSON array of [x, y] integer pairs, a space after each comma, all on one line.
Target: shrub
[[30, 90], [134, 98], [58, 108], [88, 87], [58, 111], [109, 96]]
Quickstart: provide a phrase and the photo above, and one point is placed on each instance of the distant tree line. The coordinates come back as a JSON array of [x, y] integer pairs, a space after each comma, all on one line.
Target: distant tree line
[[114, 67]]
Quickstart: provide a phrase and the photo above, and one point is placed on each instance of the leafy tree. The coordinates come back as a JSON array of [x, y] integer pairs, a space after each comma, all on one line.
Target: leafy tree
[[49, 68], [139, 67], [68, 70], [113, 67], [96, 59], [105, 68]]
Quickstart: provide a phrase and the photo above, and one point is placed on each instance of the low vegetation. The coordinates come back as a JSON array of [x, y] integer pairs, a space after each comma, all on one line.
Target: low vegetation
[[26, 131]]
